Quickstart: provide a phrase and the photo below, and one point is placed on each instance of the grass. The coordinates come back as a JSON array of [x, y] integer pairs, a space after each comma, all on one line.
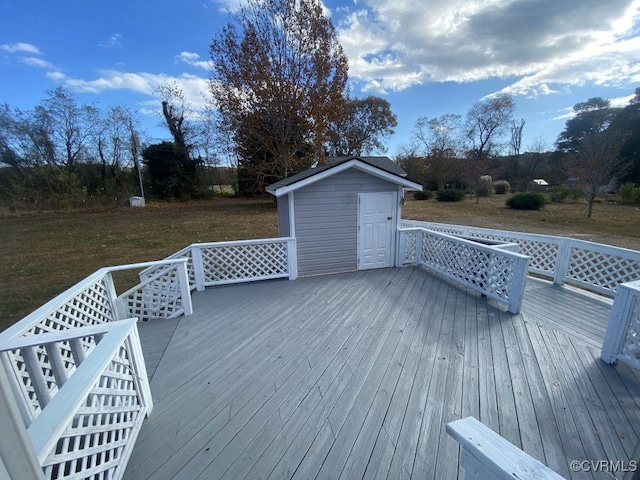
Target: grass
[[613, 224], [45, 253]]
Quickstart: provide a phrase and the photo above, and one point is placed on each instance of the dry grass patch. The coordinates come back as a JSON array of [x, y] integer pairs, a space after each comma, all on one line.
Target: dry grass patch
[[43, 254], [612, 224]]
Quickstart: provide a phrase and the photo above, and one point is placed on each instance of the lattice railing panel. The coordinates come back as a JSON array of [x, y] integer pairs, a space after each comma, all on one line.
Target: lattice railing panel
[[91, 306], [631, 342], [92, 444], [157, 297], [601, 269], [543, 254], [479, 268], [410, 238], [43, 365], [234, 263]]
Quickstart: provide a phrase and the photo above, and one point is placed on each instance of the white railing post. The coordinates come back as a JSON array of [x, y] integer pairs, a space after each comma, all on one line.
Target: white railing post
[[198, 266], [292, 258], [139, 366], [624, 305], [401, 245], [185, 290], [562, 261], [517, 286], [17, 456], [117, 304], [419, 241]]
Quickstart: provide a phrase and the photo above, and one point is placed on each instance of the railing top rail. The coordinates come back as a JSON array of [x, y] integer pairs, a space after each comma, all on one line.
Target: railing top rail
[[232, 243], [60, 336], [135, 266], [470, 243], [543, 237], [24, 325]]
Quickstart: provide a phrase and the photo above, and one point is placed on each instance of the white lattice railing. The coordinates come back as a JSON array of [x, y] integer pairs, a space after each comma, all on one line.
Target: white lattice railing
[[592, 266], [622, 340], [50, 349], [84, 402], [220, 263], [495, 272]]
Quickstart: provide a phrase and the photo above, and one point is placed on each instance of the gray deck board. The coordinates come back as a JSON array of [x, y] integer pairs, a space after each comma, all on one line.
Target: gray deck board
[[355, 375]]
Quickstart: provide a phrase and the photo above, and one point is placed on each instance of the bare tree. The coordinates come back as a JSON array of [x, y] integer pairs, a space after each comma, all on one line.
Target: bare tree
[[278, 80], [69, 126], [595, 163], [487, 121], [515, 139], [439, 140]]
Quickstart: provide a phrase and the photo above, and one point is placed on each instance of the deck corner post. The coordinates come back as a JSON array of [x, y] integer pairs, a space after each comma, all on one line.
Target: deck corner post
[[198, 266], [517, 288], [185, 290], [617, 324], [292, 258], [563, 258]]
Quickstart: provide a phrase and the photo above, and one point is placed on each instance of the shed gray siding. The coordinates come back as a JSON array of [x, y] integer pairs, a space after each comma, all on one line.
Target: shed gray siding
[[284, 227], [326, 219]]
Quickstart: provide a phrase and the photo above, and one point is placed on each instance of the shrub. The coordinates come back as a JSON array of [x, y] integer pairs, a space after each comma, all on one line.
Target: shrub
[[527, 201], [423, 195], [501, 187], [449, 195], [628, 193], [485, 186]]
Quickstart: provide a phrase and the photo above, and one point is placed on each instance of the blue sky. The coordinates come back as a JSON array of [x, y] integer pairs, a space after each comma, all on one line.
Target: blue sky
[[426, 59]]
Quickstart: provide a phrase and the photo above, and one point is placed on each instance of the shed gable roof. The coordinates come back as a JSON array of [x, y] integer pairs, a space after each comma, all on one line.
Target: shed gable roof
[[381, 167]]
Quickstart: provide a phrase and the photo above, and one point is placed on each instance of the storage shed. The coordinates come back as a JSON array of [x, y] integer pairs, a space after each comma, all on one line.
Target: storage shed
[[344, 214]]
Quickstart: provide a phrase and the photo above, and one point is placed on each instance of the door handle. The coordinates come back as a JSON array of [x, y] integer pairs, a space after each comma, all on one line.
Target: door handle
[[389, 218]]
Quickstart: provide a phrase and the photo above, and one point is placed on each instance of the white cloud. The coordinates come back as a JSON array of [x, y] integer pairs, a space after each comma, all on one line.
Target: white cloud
[[193, 87], [114, 40], [394, 44], [21, 47], [36, 62], [193, 59]]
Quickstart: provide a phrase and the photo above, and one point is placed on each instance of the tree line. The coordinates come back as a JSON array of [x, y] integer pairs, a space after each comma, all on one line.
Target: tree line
[[279, 103], [598, 150]]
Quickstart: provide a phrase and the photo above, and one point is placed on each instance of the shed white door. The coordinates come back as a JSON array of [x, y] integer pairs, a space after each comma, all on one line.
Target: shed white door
[[376, 221]]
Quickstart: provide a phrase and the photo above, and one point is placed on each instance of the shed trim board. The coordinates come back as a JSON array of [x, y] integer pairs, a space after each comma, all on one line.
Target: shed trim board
[[353, 163], [376, 229]]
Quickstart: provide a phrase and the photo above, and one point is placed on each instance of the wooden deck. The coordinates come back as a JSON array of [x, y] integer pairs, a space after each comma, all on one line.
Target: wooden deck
[[355, 376]]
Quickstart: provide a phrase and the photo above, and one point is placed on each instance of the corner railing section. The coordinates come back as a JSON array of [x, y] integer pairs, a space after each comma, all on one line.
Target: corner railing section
[[82, 394], [221, 263], [74, 376], [495, 272], [588, 265], [622, 340]]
